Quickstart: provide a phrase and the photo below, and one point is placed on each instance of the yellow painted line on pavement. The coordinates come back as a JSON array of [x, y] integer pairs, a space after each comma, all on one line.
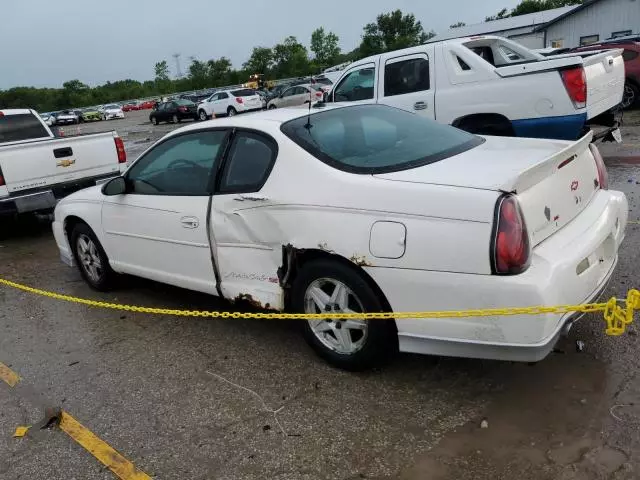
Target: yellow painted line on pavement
[[8, 376], [109, 457]]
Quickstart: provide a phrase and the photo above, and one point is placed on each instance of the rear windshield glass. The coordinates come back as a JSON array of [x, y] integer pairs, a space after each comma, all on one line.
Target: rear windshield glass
[[324, 81], [15, 128], [245, 92], [112, 107], [376, 138], [184, 101]]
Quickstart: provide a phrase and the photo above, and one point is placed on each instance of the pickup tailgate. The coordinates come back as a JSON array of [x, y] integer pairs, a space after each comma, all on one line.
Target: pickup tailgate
[[555, 180], [44, 163], [605, 80]]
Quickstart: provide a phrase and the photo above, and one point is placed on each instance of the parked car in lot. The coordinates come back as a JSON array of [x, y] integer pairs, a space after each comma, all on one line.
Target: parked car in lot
[[363, 208], [91, 115], [148, 104], [174, 111], [49, 118], [298, 95], [112, 111], [491, 85], [631, 56], [37, 169], [68, 117], [230, 103], [129, 107]]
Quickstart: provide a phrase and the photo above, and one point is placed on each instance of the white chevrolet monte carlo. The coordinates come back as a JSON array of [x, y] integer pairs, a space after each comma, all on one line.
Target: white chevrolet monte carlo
[[361, 208]]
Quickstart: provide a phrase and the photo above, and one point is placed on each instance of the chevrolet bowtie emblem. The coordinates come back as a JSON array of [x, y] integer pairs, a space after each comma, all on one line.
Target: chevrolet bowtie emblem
[[65, 163]]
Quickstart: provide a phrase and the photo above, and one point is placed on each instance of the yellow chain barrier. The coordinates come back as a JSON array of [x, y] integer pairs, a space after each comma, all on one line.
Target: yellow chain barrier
[[616, 316]]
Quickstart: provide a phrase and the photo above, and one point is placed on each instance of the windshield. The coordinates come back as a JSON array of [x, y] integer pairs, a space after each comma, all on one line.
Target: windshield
[[245, 92], [376, 138]]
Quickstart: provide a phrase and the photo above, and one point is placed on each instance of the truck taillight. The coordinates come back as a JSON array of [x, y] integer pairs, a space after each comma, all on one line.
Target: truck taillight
[[603, 176], [575, 81], [122, 154], [510, 250], [239, 99], [2, 181]]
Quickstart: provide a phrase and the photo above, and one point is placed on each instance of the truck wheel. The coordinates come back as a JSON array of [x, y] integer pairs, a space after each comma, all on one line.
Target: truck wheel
[[631, 95], [91, 258], [351, 344], [487, 125]]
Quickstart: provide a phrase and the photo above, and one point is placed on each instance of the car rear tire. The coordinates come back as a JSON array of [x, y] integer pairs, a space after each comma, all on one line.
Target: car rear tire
[[272, 107], [175, 118], [91, 258], [232, 112], [631, 95], [203, 116], [351, 344]]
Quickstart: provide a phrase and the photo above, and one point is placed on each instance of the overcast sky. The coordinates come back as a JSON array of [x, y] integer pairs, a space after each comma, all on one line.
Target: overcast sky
[[46, 42]]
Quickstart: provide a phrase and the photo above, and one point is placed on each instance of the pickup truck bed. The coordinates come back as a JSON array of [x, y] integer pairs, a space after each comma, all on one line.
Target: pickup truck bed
[[36, 172]]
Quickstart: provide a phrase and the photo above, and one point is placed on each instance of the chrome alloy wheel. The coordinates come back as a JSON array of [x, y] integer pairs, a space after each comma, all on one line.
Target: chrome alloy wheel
[[332, 296]]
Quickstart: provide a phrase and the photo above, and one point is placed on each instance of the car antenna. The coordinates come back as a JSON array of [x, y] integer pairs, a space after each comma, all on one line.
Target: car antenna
[[308, 125]]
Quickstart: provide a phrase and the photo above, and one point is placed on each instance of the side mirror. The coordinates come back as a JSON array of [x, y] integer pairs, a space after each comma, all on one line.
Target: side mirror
[[115, 186]]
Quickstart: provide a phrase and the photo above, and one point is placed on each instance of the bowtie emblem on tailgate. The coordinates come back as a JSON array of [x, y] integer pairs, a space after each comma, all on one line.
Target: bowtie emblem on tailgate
[[65, 163]]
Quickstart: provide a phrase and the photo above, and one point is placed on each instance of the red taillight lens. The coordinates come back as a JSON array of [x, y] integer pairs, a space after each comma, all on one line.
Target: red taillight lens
[[2, 181], [239, 99], [510, 250], [122, 154], [318, 94], [603, 176], [575, 82], [182, 109]]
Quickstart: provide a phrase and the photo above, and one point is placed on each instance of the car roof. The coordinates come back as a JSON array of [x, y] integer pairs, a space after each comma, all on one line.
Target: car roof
[[257, 120]]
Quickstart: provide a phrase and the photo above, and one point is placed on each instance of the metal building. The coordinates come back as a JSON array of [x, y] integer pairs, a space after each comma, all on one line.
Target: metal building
[[593, 21], [524, 29]]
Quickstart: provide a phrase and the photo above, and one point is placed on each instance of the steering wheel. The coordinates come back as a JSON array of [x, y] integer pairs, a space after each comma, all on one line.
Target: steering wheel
[[183, 161]]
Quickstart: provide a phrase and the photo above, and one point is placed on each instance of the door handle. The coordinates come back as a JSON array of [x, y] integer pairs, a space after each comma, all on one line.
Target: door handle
[[62, 152], [190, 222], [420, 105], [250, 198]]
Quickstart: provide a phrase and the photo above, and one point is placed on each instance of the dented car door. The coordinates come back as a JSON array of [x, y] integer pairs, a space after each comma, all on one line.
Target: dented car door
[[246, 244]]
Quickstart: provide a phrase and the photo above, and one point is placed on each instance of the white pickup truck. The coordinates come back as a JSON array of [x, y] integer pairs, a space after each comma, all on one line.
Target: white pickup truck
[[491, 85], [37, 169]]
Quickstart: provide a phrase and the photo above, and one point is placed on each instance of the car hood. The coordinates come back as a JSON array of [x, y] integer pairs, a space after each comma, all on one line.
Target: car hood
[[497, 164]]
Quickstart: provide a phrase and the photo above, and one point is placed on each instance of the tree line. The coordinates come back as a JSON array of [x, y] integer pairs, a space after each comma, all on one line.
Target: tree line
[[290, 58]]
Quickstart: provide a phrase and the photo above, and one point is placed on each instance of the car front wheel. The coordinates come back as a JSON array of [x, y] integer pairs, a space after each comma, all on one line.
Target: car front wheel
[[203, 115], [91, 258], [350, 343]]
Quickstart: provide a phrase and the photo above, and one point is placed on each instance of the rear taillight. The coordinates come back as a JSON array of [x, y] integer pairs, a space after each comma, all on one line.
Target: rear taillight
[[2, 181], [182, 109], [603, 176], [575, 82], [318, 94], [122, 154], [510, 251], [239, 99]]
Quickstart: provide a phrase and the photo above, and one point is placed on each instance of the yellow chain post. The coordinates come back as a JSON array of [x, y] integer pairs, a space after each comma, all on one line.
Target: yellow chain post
[[616, 317]]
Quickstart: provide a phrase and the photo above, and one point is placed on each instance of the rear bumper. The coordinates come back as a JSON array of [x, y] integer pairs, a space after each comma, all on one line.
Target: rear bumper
[[46, 199], [571, 267], [566, 127]]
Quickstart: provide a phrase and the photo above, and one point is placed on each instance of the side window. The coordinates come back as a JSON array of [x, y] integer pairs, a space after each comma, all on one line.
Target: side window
[[357, 85], [249, 163], [223, 96], [180, 166], [406, 76], [629, 55], [289, 92]]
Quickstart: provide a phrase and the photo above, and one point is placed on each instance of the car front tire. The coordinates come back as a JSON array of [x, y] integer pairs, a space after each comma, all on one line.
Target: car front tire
[[91, 258], [203, 115], [351, 344], [272, 107]]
